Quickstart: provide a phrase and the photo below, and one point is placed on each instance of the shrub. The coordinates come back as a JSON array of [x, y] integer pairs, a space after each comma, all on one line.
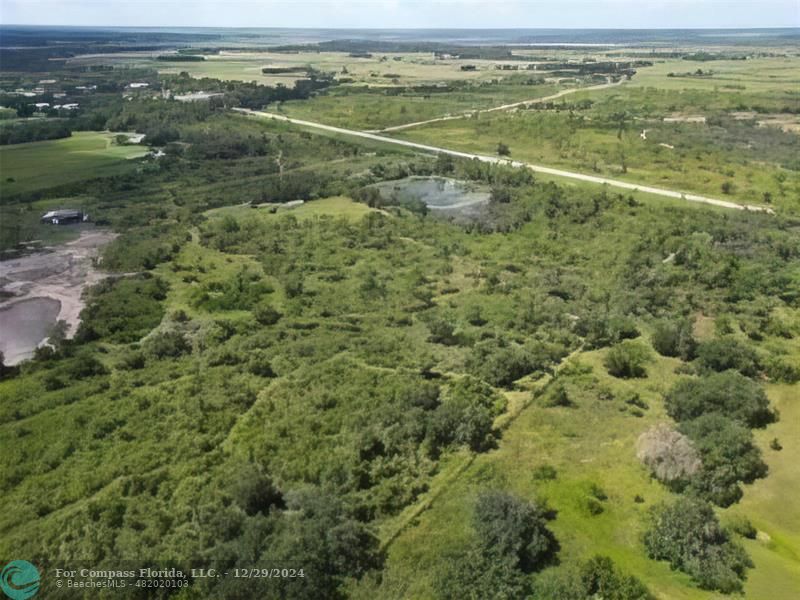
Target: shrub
[[727, 393], [742, 526], [544, 473], [670, 455], [265, 314], [627, 359], [598, 578], [688, 535], [728, 353], [556, 394], [674, 338], [167, 344]]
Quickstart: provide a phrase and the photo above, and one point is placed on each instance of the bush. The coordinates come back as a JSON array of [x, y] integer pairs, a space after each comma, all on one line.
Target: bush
[[742, 526], [545, 473], [688, 535], [627, 359], [728, 353], [727, 393], [167, 344], [265, 314], [674, 338]]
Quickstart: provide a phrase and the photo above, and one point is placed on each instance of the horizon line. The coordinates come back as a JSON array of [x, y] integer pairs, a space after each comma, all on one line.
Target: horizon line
[[721, 28]]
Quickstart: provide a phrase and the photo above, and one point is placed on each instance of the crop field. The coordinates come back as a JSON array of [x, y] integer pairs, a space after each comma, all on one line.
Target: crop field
[[39, 165]]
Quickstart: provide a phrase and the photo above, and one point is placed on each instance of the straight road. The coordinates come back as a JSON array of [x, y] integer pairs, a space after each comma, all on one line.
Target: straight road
[[514, 163], [463, 115]]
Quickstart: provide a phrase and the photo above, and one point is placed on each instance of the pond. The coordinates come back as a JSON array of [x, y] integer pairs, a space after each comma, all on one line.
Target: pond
[[438, 193], [24, 325]]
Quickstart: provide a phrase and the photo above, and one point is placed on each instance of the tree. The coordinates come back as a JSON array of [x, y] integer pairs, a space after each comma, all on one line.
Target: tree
[[503, 149], [729, 393], [689, 536], [466, 416], [670, 455], [512, 529], [674, 338], [728, 456], [627, 359], [728, 353]]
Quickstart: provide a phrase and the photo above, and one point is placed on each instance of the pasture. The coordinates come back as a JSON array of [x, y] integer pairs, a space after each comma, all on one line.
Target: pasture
[[41, 165]]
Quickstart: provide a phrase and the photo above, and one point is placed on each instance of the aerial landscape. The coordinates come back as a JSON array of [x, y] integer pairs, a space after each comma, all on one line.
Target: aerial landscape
[[400, 300]]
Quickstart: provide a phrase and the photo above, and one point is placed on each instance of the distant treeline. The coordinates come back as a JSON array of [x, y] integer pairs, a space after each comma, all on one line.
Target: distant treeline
[[181, 57], [34, 131]]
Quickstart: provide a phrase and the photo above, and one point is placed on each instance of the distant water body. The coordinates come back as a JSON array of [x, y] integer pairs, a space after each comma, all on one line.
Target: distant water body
[[24, 325], [269, 36]]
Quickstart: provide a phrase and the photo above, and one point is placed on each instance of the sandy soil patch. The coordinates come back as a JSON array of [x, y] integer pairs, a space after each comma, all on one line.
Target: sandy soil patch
[[60, 273]]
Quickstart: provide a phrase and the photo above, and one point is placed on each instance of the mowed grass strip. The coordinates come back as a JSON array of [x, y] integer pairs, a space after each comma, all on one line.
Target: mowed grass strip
[[41, 165]]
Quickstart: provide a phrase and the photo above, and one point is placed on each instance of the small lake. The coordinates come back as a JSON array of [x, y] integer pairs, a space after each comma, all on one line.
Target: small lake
[[24, 325], [438, 193]]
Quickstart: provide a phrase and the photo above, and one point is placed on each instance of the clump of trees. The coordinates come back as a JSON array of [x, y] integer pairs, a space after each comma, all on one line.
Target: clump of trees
[[728, 353], [729, 394], [511, 539], [689, 536], [716, 413]]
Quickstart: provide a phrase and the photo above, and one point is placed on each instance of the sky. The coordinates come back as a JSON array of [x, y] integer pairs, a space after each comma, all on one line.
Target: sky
[[396, 14]]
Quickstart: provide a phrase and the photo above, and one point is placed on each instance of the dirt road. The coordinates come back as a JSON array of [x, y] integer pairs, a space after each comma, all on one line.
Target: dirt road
[[497, 160]]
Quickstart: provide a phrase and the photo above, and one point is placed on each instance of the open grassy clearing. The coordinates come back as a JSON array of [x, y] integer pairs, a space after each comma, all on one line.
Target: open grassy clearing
[[593, 443], [375, 110], [40, 165], [757, 75]]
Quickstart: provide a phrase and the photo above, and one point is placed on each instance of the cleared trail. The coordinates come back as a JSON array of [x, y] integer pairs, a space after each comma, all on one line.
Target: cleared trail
[[616, 183]]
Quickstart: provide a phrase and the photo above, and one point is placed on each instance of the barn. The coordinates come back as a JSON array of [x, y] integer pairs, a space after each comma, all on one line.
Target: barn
[[64, 217]]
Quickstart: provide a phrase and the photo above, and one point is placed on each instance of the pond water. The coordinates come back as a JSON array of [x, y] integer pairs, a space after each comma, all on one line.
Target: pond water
[[438, 193], [24, 325]]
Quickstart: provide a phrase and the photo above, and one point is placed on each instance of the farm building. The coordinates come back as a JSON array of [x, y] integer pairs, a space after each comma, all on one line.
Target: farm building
[[64, 217]]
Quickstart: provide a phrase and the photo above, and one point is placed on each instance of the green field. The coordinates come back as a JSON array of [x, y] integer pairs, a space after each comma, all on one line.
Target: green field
[[40, 165]]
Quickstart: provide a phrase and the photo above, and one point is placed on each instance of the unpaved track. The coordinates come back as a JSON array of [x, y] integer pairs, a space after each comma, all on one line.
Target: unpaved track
[[469, 113], [514, 163]]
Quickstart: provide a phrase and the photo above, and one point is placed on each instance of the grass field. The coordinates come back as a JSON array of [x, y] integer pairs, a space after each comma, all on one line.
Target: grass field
[[371, 110], [593, 443], [759, 75], [380, 69], [40, 165]]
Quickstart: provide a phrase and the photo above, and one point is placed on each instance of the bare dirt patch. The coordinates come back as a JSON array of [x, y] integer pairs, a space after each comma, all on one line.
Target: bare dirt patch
[[59, 273]]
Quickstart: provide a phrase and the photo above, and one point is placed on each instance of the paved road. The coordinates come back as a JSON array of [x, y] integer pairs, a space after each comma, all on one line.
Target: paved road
[[514, 163], [501, 107]]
